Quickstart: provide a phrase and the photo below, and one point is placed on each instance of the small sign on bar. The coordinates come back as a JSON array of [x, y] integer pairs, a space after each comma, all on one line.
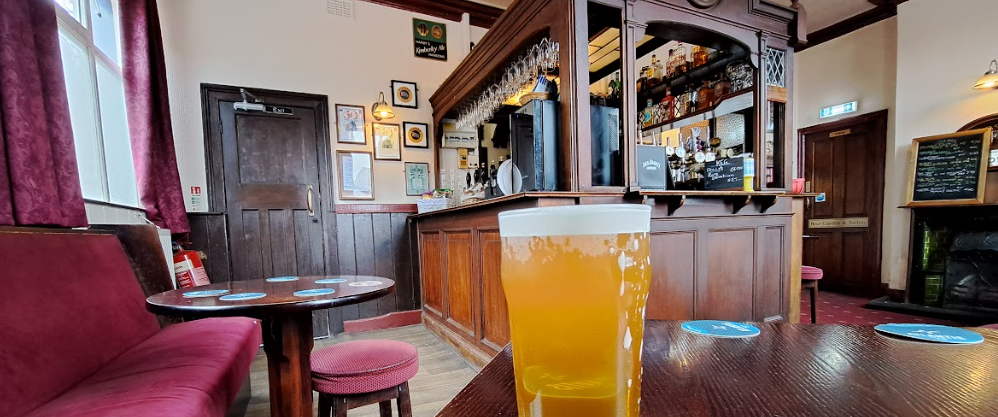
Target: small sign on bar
[[838, 223]]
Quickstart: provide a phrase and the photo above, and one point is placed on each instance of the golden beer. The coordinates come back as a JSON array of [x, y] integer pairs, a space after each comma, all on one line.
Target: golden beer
[[576, 280]]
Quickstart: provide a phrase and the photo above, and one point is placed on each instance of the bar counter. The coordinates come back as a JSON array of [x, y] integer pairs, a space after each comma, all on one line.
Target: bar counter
[[728, 255]]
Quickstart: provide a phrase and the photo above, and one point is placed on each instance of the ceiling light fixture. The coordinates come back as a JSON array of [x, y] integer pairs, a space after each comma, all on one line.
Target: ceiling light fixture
[[990, 78], [381, 110]]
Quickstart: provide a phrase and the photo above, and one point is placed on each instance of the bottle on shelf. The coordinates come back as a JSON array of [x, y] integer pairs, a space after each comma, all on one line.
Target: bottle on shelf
[[648, 115], [679, 63], [705, 96], [699, 56], [668, 105], [670, 64], [657, 71], [722, 87]]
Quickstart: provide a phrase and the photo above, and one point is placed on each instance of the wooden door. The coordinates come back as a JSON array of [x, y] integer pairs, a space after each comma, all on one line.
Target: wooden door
[[845, 161], [274, 164]]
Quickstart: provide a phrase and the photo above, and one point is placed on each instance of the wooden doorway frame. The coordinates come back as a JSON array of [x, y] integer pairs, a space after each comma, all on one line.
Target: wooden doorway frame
[[879, 120], [213, 139]]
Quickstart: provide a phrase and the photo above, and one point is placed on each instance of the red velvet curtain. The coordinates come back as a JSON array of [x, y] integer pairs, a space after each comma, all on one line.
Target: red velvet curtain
[[147, 97], [39, 179]]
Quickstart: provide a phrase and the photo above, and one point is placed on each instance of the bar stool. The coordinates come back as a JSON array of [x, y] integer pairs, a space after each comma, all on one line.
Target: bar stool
[[810, 276], [363, 372]]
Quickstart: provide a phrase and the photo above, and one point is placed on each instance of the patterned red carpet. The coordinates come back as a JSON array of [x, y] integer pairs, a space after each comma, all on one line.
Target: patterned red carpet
[[843, 309]]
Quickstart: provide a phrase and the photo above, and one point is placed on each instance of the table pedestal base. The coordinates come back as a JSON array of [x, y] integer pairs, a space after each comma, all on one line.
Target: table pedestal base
[[288, 343]]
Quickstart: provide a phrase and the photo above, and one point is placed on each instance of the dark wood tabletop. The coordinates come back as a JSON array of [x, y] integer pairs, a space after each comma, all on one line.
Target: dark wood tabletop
[[286, 324], [788, 370], [280, 297]]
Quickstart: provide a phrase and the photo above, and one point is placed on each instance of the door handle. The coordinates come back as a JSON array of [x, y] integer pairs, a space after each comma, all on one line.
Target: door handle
[[311, 208]]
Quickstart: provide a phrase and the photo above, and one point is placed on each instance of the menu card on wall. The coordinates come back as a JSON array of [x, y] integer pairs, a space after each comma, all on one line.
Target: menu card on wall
[[949, 169], [725, 174]]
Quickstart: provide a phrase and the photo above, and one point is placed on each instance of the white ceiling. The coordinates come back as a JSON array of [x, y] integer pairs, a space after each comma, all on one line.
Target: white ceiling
[[820, 13]]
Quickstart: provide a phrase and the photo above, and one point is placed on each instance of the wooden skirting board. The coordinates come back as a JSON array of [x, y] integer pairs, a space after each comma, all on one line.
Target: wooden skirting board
[[387, 321]]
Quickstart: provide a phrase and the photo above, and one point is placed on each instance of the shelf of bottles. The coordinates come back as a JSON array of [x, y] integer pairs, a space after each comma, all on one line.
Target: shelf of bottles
[[698, 105]]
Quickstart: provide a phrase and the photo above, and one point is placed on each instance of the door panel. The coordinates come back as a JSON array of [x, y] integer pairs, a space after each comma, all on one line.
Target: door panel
[[432, 270], [459, 290], [845, 161], [673, 291], [495, 323], [728, 290], [273, 175]]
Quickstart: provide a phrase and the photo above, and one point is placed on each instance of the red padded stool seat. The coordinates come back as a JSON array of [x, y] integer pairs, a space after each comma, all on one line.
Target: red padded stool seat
[[811, 273], [991, 326], [357, 373], [809, 276]]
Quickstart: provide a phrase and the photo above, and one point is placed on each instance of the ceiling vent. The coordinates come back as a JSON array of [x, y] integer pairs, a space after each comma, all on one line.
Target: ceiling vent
[[342, 8]]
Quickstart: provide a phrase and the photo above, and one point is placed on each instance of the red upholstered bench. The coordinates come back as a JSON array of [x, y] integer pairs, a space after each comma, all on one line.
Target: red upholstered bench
[[78, 341], [358, 373]]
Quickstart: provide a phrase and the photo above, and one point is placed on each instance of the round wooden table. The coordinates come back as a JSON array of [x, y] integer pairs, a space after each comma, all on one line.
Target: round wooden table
[[287, 323]]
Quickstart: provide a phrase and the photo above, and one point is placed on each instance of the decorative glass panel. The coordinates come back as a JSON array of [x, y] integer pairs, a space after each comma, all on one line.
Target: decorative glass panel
[[776, 67]]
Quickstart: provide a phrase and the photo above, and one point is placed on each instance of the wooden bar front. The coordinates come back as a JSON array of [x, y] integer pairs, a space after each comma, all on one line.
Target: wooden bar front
[[730, 255], [707, 263]]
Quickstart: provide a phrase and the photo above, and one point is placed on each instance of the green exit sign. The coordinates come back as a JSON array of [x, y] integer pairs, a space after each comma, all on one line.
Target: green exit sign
[[840, 109]]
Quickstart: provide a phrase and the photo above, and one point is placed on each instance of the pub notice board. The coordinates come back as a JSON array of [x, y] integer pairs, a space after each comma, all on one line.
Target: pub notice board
[[948, 169]]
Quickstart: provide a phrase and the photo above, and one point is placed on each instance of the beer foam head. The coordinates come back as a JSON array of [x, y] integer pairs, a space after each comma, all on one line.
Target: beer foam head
[[596, 219]]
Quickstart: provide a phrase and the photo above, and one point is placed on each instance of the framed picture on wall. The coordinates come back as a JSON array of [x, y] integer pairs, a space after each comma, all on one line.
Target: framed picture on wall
[[350, 124], [387, 141], [404, 94], [356, 169], [416, 135], [417, 178]]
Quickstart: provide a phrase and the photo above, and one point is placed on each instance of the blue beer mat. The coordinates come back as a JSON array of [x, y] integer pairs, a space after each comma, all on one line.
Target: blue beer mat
[[205, 293], [314, 292], [364, 283], [330, 281], [243, 296], [931, 333], [724, 329], [282, 279]]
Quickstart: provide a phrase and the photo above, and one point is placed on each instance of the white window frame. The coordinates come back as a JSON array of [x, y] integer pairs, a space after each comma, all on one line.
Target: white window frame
[[85, 36]]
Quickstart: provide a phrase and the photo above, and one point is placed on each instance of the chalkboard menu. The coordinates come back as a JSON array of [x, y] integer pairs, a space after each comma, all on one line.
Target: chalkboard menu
[[949, 169], [725, 174]]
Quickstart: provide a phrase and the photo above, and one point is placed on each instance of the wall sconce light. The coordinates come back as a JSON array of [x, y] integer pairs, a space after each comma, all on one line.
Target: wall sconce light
[[990, 78], [381, 110]]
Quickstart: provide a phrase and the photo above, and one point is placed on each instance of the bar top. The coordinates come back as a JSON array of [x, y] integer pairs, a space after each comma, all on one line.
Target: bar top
[[642, 193], [789, 369]]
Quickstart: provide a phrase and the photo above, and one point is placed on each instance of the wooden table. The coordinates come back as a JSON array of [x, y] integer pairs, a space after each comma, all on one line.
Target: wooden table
[[287, 325], [788, 370]]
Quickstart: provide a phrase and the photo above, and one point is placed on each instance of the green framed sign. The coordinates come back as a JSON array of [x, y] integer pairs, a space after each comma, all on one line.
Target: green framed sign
[[429, 39]]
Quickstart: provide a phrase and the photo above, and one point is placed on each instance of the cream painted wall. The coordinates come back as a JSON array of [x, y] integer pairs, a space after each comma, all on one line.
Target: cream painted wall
[[920, 66], [943, 48], [297, 46], [860, 66]]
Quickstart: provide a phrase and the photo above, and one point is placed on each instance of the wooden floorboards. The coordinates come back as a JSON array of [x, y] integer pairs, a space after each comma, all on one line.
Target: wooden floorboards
[[442, 373]]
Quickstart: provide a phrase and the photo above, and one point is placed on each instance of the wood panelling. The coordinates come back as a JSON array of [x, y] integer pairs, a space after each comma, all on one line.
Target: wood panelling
[[727, 294], [365, 243], [432, 272], [210, 236], [459, 288], [673, 291], [481, 15], [775, 242], [495, 322], [375, 208], [731, 267]]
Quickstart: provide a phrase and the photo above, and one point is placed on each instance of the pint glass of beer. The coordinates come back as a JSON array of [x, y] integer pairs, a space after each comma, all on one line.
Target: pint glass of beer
[[576, 280]]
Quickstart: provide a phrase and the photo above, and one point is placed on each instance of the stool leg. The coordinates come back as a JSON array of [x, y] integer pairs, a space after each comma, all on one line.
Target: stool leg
[[386, 408], [325, 409], [814, 303], [339, 406], [404, 403]]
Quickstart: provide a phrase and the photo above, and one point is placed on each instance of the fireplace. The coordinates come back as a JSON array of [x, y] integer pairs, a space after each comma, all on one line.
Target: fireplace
[[954, 261]]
